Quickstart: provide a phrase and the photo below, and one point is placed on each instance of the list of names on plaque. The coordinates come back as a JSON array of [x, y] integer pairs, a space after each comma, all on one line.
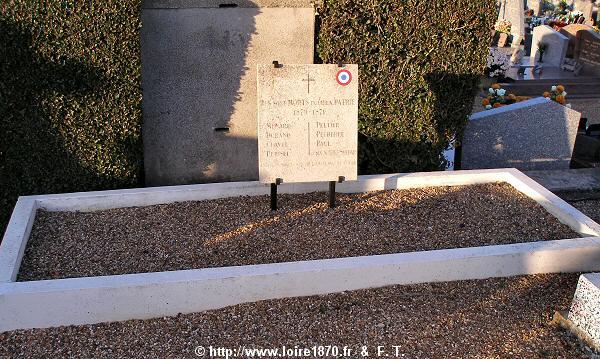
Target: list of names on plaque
[[307, 122]]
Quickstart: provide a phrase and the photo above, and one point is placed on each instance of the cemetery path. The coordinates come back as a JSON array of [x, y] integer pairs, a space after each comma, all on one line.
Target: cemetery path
[[242, 231], [501, 317]]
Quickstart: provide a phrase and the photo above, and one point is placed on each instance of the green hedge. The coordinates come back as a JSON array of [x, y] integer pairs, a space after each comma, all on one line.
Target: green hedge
[[70, 98], [420, 62]]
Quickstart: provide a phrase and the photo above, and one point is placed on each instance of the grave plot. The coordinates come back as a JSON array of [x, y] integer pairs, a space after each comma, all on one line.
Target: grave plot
[[100, 298], [153, 252]]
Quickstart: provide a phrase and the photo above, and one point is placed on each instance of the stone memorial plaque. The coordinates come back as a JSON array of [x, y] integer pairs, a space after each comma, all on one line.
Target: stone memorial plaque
[[307, 122]]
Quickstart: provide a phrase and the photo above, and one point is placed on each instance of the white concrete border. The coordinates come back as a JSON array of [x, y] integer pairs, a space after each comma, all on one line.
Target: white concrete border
[[15, 238], [149, 295], [146, 295]]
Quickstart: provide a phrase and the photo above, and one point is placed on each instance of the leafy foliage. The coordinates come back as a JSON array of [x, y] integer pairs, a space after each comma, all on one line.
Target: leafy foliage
[[70, 97], [420, 62]]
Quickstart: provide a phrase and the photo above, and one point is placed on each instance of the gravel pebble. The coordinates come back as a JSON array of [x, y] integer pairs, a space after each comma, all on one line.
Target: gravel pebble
[[241, 231], [502, 317]]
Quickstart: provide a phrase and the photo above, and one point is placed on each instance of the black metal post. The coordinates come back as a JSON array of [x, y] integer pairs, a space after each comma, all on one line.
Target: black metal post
[[273, 196], [457, 156], [331, 194], [278, 181]]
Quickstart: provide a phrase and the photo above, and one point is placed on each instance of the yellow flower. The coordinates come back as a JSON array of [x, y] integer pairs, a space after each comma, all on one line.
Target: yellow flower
[[495, 86], [485, 102], [560, 88], [546, 94], [560, 99]]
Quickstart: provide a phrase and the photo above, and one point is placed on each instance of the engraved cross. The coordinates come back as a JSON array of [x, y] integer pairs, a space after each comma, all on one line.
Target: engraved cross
[[308, 80]]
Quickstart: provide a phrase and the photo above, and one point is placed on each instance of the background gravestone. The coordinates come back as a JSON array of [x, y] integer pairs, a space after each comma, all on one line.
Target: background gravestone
[[587, 51], [514, 11], [536, 6], [308, 122], [585, 6], [199, 82], [556, 42], [537, 134], [570, 31]]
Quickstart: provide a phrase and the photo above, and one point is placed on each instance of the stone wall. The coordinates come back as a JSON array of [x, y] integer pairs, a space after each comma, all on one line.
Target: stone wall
[[199, 83]]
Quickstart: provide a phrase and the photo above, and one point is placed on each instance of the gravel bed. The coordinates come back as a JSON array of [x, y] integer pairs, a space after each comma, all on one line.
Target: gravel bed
[[502, 317], [241, 231]]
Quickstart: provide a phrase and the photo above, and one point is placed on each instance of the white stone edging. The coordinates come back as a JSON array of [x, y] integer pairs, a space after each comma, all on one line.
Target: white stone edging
[[15, 238]]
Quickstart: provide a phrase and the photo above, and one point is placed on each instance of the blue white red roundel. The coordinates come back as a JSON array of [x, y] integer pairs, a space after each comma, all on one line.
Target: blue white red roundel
[[344, 77]]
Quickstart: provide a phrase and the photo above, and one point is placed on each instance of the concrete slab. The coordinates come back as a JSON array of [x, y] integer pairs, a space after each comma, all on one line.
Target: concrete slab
[[199, 83], [568, 180]]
